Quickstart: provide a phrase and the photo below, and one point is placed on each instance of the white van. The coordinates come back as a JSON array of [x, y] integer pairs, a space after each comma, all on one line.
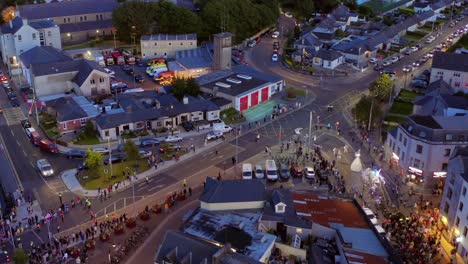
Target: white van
[[259, 173], [29, 131], [247, 173], [221, 127], [271, 170], [156, 71]]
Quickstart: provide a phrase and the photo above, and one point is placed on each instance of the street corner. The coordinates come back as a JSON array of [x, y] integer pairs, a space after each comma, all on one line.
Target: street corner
[[71, 182]]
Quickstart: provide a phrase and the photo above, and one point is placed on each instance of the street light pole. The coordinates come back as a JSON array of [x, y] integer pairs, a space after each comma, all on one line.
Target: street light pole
[[311, 118], [370, 113], [110, 155]]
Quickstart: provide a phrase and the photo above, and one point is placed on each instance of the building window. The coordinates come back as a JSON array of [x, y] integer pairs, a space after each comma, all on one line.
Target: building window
[[34, 36], [106, 133], [405, 141], [191, 43], [83, 121], [85, 18], [399, 138], [464, 191], [465, 231], [457, 222], [461, 137], [440, 73], [299, 230], [68, 20], [444, 166], [64, 20], [49, 33], [419, 149], [97, 17], [456, 74], [447, 152], [81, 19], [100, 16], [448, 137], [92, 81], [449, 193], [64, 125], [460, 206], [19, 38], [456, 84], [417, 163]]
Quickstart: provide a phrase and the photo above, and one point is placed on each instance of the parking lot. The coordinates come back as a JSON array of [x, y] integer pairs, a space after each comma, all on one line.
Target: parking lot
[[122, 76]]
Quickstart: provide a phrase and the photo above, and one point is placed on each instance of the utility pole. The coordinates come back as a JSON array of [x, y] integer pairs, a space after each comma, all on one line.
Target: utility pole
[[110, 155], [370, 113], [311, 118]]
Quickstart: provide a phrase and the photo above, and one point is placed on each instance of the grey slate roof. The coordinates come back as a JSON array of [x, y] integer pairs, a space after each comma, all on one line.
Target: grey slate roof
[[41, 24], [170, 37], [67, 8], [68, 109], [85, 67], [195, 58], [85, 26], [16, 24], [329, 55], [450, 61], [42, 55], [233, 191], [185, 245]]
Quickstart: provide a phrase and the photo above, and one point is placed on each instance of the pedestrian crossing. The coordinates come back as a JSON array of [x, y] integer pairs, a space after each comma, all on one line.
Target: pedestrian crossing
[[13, 115], [56, 185]]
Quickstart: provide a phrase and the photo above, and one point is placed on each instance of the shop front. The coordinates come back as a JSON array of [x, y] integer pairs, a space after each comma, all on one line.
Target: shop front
[[414, 175]]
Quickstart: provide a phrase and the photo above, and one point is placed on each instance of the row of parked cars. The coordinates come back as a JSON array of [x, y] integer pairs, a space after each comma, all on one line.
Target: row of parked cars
[[273, 173], [8, 90]]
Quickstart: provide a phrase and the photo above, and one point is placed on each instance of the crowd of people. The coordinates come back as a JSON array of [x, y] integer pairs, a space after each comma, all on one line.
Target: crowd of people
[[416, 237]]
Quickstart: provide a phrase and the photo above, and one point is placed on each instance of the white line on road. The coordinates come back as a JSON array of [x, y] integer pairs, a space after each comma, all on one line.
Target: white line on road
[[32, 165], [156, 187], [11, 131], [217, 157], [146, 186], [17, 142], [24, 153]]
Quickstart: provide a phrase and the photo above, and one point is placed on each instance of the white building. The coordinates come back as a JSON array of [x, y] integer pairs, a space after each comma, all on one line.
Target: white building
[[166, 46], [421, 146], [453, 213], [19, 36], [329, 59], [452, 68]]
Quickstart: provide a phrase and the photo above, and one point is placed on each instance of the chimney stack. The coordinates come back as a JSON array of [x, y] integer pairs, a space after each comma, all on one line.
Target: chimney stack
[[185, 100]]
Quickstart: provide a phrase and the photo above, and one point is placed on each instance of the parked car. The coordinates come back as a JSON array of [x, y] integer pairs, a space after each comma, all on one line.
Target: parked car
[[274, 57], [127, 69], [35, 138], [115, 158], [416, 64], [421, 77], [172, 139], [386, 63], [25, 123], [106, 70], [214, 135], [296, 171], [284, 172], [259, 173], [188, 126], [48, 146], [252, 43], [146, 142], [419, 84], [247, 172], [139, 78], [168, 148], [45, 168], [101, 150], [373, 60], [275, 34], [145, 153], [76, 153], [394, 59], [309, 173], [378, 67]]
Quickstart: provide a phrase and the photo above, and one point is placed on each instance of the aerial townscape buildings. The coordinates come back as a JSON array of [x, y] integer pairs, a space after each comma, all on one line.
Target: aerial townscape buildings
[[241, 132]]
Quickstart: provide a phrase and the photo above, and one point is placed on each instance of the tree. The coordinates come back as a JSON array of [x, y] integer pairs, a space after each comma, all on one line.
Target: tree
[[8, 14], [89, 129], [387, 20], [131, 150], [362, 108], [178, 88], [192, 87], [20, 257], [340, 33], [305, 7], [297, 32], [381, 87], [351, 4], [365, 11], [93, 159]]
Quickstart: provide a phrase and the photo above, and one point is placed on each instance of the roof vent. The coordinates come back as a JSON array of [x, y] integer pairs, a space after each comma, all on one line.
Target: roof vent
[[224, 85], [231, 80], [245, 77]]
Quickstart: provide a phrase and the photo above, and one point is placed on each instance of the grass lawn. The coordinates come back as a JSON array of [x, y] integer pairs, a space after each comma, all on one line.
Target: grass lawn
[[231, 116], [402, 108], [87, 140], [416, 35], [101, 43], [296, 91], [394, 119], [97, 177], [409, 94], [380, 6]]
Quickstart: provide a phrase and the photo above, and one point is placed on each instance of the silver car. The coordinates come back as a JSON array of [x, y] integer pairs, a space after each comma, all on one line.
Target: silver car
[[45, 168], [259, 174]]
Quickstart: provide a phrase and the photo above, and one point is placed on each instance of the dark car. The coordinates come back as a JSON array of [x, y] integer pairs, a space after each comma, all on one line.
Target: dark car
[[419, 84], [11, 95], [188, 126], [25, 123], [421, 77], [127, 69], [146, 142], [14, 102], [83, 166], [378, 67], [115, 158], [284, 172], [119, 88], [75, 153], [168, 148], [139, 78]]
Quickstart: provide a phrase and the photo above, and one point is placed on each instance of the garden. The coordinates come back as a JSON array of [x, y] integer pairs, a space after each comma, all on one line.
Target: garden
[[401, 108], [49, 124], [232, 116]]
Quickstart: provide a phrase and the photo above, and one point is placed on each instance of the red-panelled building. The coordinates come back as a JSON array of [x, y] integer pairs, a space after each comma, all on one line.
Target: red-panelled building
[[243, 86]]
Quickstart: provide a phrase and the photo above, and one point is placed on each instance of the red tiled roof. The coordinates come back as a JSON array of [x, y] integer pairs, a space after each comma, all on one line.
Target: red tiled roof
[[325, 210], [360, 257]]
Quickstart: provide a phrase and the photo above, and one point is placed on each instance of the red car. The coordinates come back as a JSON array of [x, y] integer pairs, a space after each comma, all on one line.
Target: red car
[[48, 146]]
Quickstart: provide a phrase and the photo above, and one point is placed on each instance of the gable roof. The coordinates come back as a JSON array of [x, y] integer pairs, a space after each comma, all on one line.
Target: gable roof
[[42, 55], [85, 67], [159, 37], [228, 191], [329, 55], [67, 8], [72, 108], [16, 24], [84, 26], [176, 246], [450, 61]]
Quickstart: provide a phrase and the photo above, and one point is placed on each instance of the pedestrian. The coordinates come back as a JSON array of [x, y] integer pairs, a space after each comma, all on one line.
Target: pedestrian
[[105, 194], [216, 152], [147, 180], [190, 191], [58, 229]]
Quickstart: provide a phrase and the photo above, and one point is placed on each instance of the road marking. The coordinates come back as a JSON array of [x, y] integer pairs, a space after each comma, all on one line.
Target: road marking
[[11, 131], [155, 187], [24, 153], [17, 142], [217, 157], [146, 186], [32, 165]]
